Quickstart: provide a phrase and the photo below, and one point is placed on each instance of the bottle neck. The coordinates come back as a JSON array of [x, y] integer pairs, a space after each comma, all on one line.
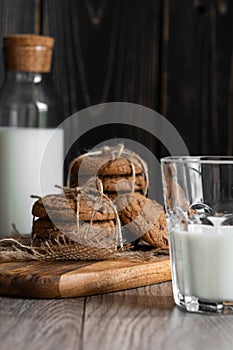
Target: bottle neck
[[26, 77], [28, 99]]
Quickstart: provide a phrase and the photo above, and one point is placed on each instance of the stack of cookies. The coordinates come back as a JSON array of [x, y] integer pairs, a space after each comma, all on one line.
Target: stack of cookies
[[124, 180], [56, 220], [106, 192], [118, 174]]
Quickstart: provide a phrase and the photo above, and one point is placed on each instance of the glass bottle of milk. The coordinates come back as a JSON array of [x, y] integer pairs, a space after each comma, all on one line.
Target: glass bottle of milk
[[31, 145]]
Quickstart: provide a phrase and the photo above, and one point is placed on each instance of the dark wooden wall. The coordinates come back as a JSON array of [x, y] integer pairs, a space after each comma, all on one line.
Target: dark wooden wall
[[172, 56]]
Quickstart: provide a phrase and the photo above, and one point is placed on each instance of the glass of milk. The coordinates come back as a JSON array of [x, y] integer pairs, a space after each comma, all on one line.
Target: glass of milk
[[198, 194]]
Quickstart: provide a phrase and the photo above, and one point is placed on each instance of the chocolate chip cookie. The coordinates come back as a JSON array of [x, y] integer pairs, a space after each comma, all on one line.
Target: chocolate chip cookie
[[120, 174], [145, 218], [64, 208], [45, 229]]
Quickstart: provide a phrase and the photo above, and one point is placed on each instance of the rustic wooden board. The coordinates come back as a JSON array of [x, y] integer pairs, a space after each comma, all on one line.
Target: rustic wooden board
[[71, 279]]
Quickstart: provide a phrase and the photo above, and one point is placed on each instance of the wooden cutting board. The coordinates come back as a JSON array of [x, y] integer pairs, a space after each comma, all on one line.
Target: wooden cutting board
[[71, 279]]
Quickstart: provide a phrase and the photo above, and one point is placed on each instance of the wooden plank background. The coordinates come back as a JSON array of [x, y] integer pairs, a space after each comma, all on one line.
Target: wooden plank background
[[172, 56]]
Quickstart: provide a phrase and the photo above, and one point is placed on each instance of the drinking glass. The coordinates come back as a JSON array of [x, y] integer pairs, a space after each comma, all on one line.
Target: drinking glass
[[198, 195]]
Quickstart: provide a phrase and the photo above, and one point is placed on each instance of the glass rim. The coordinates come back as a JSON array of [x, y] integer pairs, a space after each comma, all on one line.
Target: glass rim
[[198, 159]]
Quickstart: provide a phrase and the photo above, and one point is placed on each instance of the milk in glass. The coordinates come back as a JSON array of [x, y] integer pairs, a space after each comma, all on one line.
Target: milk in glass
[[203, 258]]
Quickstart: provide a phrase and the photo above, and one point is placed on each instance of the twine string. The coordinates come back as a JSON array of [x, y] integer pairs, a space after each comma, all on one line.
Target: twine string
[[113, 153], [93, 191]]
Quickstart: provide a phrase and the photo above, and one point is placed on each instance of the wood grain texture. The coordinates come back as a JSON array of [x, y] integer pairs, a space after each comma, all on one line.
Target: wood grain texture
[[41, 324], [70, 279], [142, 318], [147, 319], [175, 57], [106, 60], [199, 66], [127, 320], [187, 35]]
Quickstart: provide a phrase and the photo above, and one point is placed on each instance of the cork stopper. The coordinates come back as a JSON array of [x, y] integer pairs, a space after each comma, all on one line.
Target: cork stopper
[[28, 52]]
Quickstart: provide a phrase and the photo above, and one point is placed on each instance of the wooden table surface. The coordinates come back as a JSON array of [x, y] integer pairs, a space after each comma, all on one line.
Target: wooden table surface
[[143, 318]]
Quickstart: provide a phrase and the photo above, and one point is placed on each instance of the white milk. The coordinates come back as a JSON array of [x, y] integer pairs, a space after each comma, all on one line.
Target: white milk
[[203, 258], [21, 154]]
